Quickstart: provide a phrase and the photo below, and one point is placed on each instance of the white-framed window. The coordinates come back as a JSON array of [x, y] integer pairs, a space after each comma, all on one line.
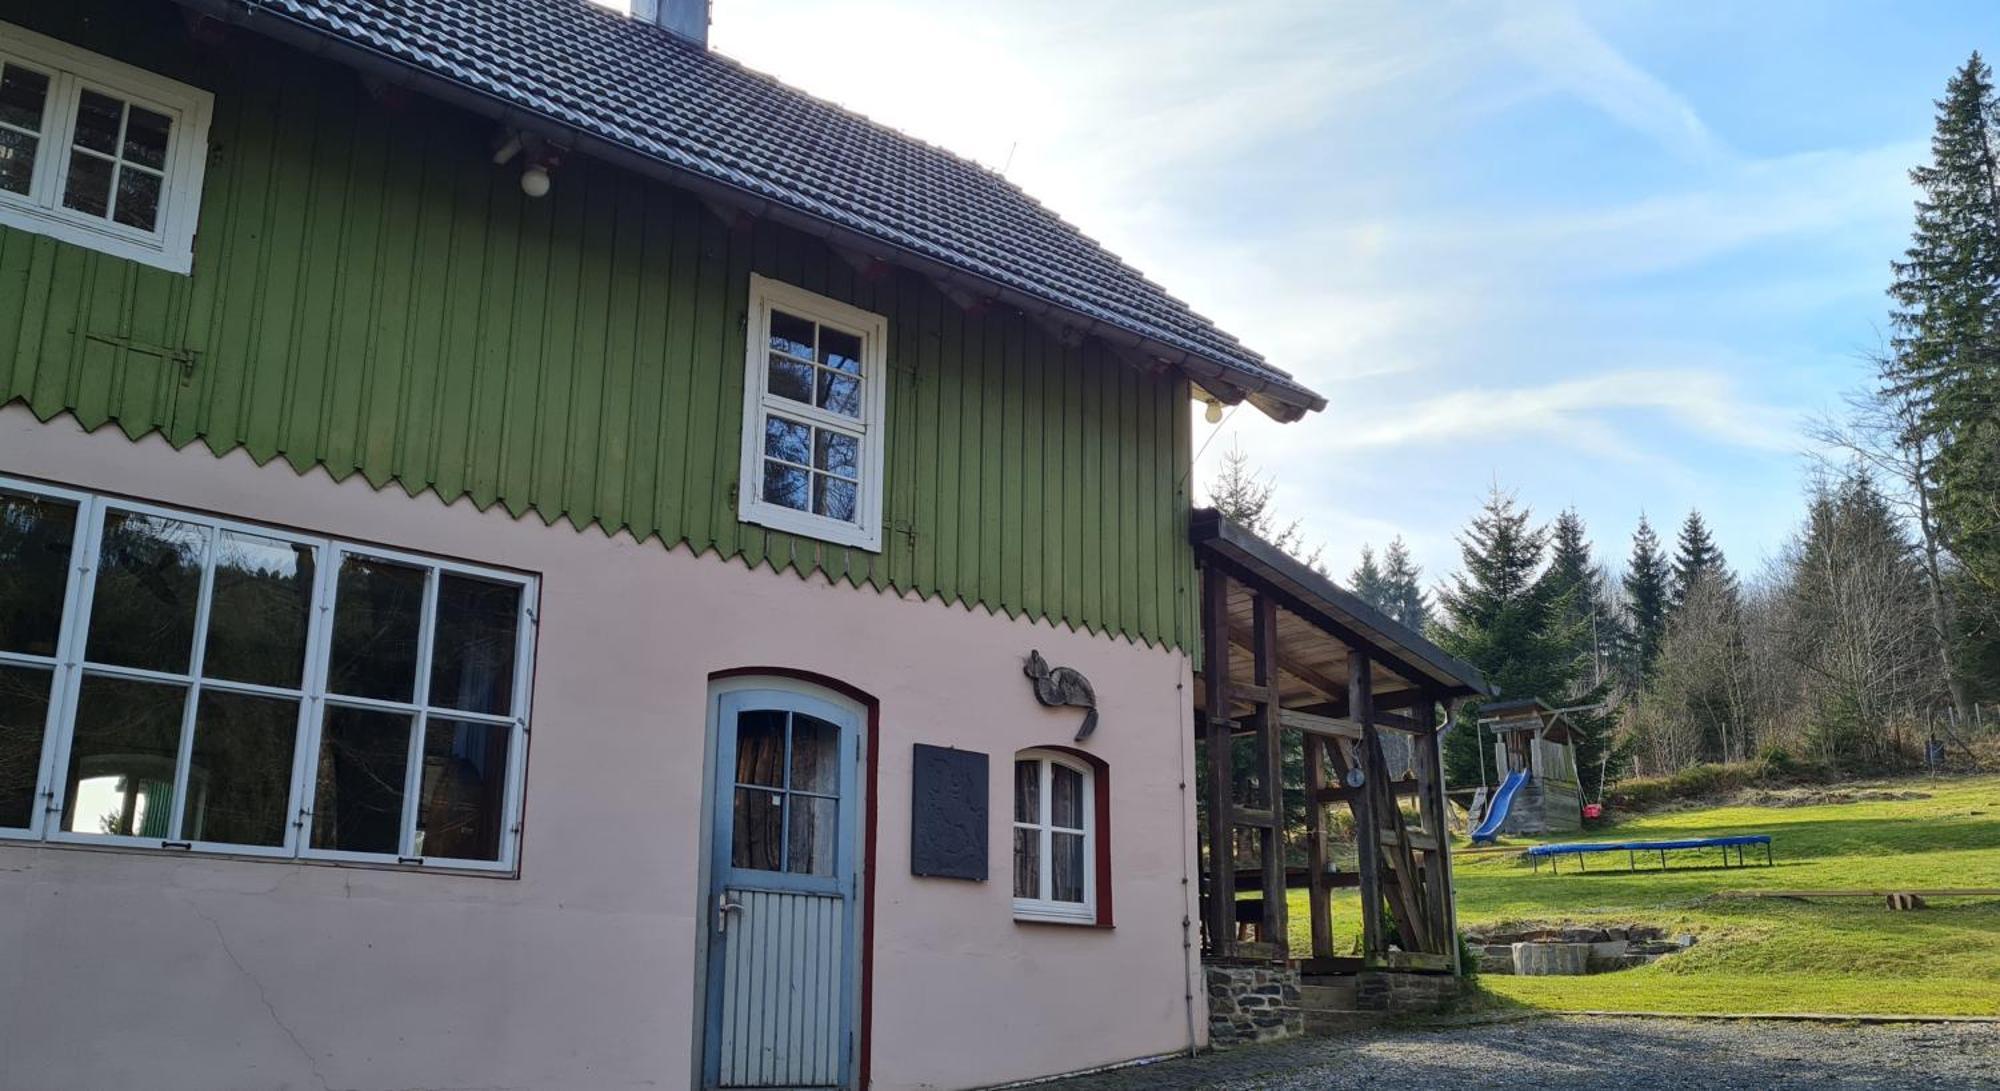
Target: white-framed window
[[99, 153], [1055, 839], [812, 416], [175, 680]]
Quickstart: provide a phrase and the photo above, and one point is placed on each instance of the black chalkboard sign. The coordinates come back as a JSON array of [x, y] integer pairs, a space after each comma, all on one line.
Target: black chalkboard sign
[[948, 813]]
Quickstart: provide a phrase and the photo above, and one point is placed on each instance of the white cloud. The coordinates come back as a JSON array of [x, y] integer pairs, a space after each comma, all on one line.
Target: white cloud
[[1570, 57], [1321, 180]]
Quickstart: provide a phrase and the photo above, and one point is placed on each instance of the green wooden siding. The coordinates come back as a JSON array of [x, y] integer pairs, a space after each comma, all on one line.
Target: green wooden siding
[[371, 295]]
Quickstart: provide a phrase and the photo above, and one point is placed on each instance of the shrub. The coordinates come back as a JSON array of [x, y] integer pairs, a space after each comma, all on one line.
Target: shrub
[[1774, 768]]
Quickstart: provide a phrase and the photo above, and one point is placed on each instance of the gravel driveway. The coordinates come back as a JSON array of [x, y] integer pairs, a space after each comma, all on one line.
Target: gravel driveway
[[1582, 1053]]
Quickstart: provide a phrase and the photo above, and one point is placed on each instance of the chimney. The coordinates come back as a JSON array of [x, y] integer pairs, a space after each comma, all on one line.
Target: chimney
[[687, 19]]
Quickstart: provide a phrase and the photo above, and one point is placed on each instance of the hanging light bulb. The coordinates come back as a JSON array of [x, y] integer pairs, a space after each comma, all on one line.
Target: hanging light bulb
[[535, 180], [1213, 414]]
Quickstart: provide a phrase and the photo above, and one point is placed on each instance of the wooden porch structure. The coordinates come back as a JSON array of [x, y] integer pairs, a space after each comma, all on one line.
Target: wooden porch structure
[[1284, 649]]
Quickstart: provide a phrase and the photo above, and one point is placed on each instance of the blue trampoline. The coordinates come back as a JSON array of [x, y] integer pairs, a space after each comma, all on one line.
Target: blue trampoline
[[1632, 849]]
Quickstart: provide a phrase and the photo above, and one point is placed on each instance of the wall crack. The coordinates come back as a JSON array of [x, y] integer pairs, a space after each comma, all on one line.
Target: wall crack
[[263, 996]]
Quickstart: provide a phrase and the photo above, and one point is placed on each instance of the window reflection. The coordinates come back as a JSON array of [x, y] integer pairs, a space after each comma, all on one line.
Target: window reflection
[[36, 534], [786, 812], [362, 758], [462, 806], [257, 619], [377, 618], [148, 589], [24, 708], [240, 769], [472, 658], [122, 758]]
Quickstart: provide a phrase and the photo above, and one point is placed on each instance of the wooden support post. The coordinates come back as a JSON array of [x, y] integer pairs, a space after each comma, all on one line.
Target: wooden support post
[[1271, 839], [1367, 835], [1317, 900], [1441, 899], [1221, 908]]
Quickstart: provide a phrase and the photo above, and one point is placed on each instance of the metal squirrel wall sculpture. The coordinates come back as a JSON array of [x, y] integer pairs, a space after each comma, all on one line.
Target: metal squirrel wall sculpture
[[1060, 686]]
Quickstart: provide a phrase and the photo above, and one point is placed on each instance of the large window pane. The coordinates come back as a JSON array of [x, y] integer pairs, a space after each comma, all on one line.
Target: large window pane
[[35, 538], [760, 748], [24, 709], [814, 835], [472, 656], [262, 605], [240, 773], [1065, 797], [122, 757], [377, 618], [146, 138], [815, 756], [757, 829], [1066, 865], [358, 802], [460, 813], [148, 584], [17, 160], [138, 198], [23, 93], [98, 118], [1027, 791], [791, 334], [1027, 863], [88, 189]]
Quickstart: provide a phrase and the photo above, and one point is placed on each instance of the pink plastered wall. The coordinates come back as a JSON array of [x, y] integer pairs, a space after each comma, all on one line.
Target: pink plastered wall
[[131, 968]]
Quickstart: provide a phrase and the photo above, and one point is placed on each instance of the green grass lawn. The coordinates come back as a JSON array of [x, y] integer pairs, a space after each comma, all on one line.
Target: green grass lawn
[[1769, 955]]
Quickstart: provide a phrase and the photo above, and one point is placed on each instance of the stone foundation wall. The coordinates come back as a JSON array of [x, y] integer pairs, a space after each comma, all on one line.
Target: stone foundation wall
[[1249, 1004], [1404, 994]]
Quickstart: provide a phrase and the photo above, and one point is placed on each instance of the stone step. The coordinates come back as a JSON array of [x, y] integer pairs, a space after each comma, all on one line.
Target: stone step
[[1340, 997], [1343, 1022]]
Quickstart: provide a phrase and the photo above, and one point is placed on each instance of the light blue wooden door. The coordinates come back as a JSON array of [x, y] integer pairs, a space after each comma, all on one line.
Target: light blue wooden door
[[781, 946]]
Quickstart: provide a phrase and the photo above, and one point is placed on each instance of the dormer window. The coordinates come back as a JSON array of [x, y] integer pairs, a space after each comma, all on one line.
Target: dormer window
[[812, 416], [99, 153]]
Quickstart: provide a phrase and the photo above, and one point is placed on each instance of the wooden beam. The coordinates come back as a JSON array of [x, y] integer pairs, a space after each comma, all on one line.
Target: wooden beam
[[1221, 908], [1319, 681], [1414, 675], [1318, 904], [1361, 700], [1264, 663]]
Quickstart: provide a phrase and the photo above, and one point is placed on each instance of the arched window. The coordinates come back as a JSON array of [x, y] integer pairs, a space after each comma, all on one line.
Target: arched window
[[1056, 835]]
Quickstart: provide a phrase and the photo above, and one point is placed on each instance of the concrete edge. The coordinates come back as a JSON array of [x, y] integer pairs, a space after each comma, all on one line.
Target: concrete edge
[[1787, 1017], [1136, 1062], [1871, 1019]]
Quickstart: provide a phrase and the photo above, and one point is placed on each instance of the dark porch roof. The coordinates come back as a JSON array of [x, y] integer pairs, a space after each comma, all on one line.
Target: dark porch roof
[[630, 92], [1320, 620]]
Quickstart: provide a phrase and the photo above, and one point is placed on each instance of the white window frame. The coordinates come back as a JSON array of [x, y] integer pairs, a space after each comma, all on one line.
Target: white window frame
[[1045, 908], [758, 402], [71, 71], [314, 698]]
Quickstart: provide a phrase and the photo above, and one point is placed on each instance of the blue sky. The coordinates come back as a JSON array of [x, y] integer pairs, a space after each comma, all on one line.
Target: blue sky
[[1609, 254]]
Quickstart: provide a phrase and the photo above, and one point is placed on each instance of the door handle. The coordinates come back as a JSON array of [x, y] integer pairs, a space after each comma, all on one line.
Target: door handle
[[723, 908]]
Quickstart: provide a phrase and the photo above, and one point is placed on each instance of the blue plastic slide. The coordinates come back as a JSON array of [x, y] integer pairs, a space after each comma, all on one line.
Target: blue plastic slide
[[1496, 813]]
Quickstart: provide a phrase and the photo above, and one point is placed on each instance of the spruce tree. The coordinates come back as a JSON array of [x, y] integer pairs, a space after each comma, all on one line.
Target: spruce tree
[[1945, 352], [1585, 616], [1648, 593], [1579, 587], [1367, 582], [1244, 498], [1407, 601], [1697, 557], [1500, 615]]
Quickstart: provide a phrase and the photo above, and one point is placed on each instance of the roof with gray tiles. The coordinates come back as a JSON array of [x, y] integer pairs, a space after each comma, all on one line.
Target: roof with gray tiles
[[630, 83]]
